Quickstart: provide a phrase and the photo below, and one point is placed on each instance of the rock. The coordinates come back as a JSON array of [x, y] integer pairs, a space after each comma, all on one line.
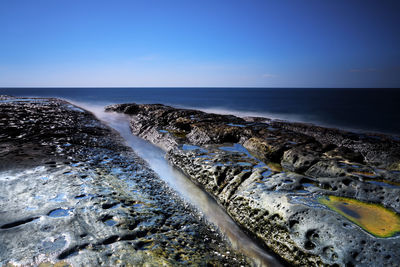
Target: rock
[[304, 191], [377, 149], [329, 168], [345, 153], [71, 193], [299, 159], [267, 150]]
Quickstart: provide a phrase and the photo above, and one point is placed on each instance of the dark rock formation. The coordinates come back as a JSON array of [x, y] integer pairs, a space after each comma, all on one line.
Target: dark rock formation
[[377, 149], [314, 195], [72, 194]]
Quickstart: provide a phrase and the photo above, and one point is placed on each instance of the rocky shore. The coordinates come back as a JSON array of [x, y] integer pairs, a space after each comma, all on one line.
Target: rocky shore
[[71, 193], [316, 196]]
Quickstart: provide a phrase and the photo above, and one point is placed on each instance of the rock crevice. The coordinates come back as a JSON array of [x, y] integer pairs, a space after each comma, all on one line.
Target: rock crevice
[[71, 193], [303, 190]]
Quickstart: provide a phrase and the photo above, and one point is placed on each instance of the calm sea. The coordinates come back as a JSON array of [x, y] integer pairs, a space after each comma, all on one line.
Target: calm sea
[[355, 109]]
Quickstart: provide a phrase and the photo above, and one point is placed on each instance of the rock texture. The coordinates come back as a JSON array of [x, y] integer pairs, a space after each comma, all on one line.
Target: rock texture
[[280, 181], [72, 194]]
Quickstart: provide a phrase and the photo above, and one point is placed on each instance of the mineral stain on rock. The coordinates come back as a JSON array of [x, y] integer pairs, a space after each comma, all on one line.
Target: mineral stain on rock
[[373, 218]]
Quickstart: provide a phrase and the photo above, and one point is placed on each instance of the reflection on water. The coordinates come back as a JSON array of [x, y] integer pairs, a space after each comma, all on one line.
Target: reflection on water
[[58, 213], [185, 187]]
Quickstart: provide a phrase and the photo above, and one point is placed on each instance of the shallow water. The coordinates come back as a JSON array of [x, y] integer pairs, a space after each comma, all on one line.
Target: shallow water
[[155, 157], [373, 218], [58, 213]]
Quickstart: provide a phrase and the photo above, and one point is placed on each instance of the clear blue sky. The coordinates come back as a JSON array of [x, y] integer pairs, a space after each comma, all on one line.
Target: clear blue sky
[[247, 43]]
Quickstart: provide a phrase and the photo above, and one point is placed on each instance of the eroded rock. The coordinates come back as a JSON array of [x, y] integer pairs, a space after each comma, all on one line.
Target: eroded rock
[[72, 194], [270, 176]]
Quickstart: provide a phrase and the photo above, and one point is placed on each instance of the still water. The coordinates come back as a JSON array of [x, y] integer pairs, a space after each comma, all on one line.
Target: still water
[[193, 194], [354, 109]]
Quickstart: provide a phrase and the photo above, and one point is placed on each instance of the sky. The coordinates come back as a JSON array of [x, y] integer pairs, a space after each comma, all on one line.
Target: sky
[[200, 43]]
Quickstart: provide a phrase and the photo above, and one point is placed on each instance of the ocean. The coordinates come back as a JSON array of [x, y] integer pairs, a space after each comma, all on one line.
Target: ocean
[[364, 110]]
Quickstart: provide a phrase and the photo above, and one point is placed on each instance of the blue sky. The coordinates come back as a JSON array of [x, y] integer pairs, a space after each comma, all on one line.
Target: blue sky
[[241, 43]]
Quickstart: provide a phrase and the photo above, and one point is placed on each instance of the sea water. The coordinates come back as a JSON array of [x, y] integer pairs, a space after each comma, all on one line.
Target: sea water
[[357, 109], [371, 110]]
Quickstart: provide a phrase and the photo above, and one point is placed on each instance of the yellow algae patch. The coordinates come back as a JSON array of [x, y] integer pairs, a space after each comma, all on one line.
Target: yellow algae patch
[[276, 167], [395, 166], [57, 264], [373, 218], [179, 134]]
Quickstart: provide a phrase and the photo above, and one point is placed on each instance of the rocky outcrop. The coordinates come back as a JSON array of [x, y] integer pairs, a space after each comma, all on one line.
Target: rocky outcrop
[[377, 149], [72, 194], [314, 195]]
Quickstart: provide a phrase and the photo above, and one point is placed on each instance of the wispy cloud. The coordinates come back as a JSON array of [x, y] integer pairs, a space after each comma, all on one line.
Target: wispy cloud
[[364, 70]]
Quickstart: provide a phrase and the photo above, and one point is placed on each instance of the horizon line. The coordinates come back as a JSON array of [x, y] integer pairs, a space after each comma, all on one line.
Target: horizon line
[[182, 87]]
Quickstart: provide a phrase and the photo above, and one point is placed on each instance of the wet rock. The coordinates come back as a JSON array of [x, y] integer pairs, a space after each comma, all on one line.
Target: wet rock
[[300, 159], [345, 153], [329, 168], [72, 194], [267, 150], [280, 181], [377, 149]]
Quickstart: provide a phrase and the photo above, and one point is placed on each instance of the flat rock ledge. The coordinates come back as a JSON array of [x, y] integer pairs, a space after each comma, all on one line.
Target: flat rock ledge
[[315, 196], [71, 194]]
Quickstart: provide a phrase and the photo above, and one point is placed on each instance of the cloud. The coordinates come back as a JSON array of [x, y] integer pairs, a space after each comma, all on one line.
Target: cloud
[[364, 70], [268, 75]]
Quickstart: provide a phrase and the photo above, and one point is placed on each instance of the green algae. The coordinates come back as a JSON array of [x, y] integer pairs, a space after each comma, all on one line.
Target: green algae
[[373, 218], [178, 134]]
